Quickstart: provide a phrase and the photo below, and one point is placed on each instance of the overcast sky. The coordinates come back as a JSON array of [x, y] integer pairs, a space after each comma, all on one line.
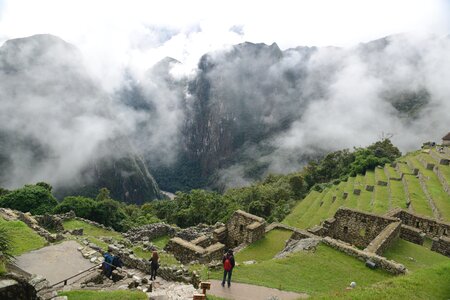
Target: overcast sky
[[137, 34]]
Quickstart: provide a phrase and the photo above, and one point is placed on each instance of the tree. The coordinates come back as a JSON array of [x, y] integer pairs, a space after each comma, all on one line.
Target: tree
[[82, 206], [103, 194], [109, 213], [35, 199]]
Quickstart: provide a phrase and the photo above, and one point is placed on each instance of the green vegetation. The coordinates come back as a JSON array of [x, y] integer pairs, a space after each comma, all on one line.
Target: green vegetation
[[164, 258], [90, 230], [265, 248], [104, 295], [36, 199], [324, 270], [23, 238], [429, 283], [161, 241], [414, 256]]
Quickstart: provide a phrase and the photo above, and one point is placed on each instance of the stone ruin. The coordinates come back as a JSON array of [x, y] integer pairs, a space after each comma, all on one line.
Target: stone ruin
[[242, 228]]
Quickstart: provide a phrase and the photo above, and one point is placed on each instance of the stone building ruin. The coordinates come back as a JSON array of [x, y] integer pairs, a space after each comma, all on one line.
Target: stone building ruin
[[242, 228]]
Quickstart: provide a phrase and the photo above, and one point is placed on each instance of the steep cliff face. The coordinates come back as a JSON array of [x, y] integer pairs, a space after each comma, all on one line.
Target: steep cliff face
[[56, 125]]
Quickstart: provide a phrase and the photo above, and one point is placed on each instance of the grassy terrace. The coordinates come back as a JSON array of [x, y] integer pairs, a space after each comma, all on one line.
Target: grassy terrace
[[92, 233], [391, 172], [24, 239], [397, 194], [418, 199], [365, 199], [381, 193], [301, 208], [316, 272], [310, 212], [266, 248], [440, 197], [351, 200], [322, 212], [413, 256], [429, 283], [104, 295]]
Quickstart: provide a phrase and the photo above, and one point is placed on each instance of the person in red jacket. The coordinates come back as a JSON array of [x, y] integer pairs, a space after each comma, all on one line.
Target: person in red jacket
[[228, 265]]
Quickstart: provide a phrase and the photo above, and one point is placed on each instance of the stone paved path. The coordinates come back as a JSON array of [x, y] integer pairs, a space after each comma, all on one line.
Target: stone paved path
[[242, 291], [55, 263]]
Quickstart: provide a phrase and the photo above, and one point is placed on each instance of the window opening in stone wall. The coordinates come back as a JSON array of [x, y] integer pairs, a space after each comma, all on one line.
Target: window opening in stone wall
[[345, 229], [241, 228], [417, 224], [431, 228], [236, 243]]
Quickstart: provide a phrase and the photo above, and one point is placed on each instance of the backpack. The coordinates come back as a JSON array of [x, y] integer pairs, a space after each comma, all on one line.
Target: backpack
[[227, 265]]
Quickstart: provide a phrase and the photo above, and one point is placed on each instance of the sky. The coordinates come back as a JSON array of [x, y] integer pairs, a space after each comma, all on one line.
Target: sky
[[136, 34]]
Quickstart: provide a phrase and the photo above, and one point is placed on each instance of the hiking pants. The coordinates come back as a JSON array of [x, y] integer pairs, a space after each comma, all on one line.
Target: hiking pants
[[153, 272], [225, 273]]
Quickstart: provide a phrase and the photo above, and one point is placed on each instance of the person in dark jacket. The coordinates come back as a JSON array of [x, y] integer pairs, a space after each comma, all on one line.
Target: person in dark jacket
[[228, 265], [154, 265]]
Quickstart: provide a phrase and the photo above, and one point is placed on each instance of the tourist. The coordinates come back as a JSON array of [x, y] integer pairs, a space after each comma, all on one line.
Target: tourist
[[154, 265], [106, 265], [228, 265]]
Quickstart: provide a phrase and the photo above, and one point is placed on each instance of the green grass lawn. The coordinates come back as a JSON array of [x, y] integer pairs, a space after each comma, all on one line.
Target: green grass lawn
[[324, 270], [430, 283], [161, 241], [414, 256], [90, 230], [24, 239], [418, 199], [300, 209], [265, 248], [104, 295], [2, 268], [397, 194]]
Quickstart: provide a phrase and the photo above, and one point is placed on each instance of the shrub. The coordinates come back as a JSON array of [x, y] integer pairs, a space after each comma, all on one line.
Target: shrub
[[35, 199]]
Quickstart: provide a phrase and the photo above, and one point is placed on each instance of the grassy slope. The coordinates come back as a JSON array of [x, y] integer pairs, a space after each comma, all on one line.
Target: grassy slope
[[266, 248], [104, 295], [322, 271], [414, 256], [429, 283], [381, 193], [24, 239], [92, 233], [440, 197]]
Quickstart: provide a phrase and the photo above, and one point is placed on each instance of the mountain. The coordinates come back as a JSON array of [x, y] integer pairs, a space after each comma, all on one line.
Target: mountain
[[58, 125], [243, 99]]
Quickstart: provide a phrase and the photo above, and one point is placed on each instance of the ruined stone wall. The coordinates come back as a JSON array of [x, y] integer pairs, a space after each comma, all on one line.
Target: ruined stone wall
[[385, 239], [184, 251], [50, 222], [171, 273], [382, 262], [150, 232], [356, 227], [412, 234], [238, 231], [441, 245], [429, 226]]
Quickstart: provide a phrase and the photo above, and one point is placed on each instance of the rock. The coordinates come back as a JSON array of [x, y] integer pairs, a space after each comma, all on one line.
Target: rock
[[293, 246], [249, 262], [116, 275], [90, 284], [77, 231], [144, 280], [93, 259], [80, 248]]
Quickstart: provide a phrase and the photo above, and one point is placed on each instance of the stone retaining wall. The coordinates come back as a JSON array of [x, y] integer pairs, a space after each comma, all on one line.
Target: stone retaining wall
[[150, 232], [385, 239], [442, 179], [171, 273], [382, 262], [412, 234], [429, 226], [355, 227], [441, 245], [186, 251]]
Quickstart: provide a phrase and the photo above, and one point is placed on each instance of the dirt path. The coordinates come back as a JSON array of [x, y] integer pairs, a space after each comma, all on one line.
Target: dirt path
[[55, 263], [242, 291]]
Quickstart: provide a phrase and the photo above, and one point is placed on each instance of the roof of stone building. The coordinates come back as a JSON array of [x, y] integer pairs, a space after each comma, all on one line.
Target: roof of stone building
[[248, 215], [446, 137], [254, 225]]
